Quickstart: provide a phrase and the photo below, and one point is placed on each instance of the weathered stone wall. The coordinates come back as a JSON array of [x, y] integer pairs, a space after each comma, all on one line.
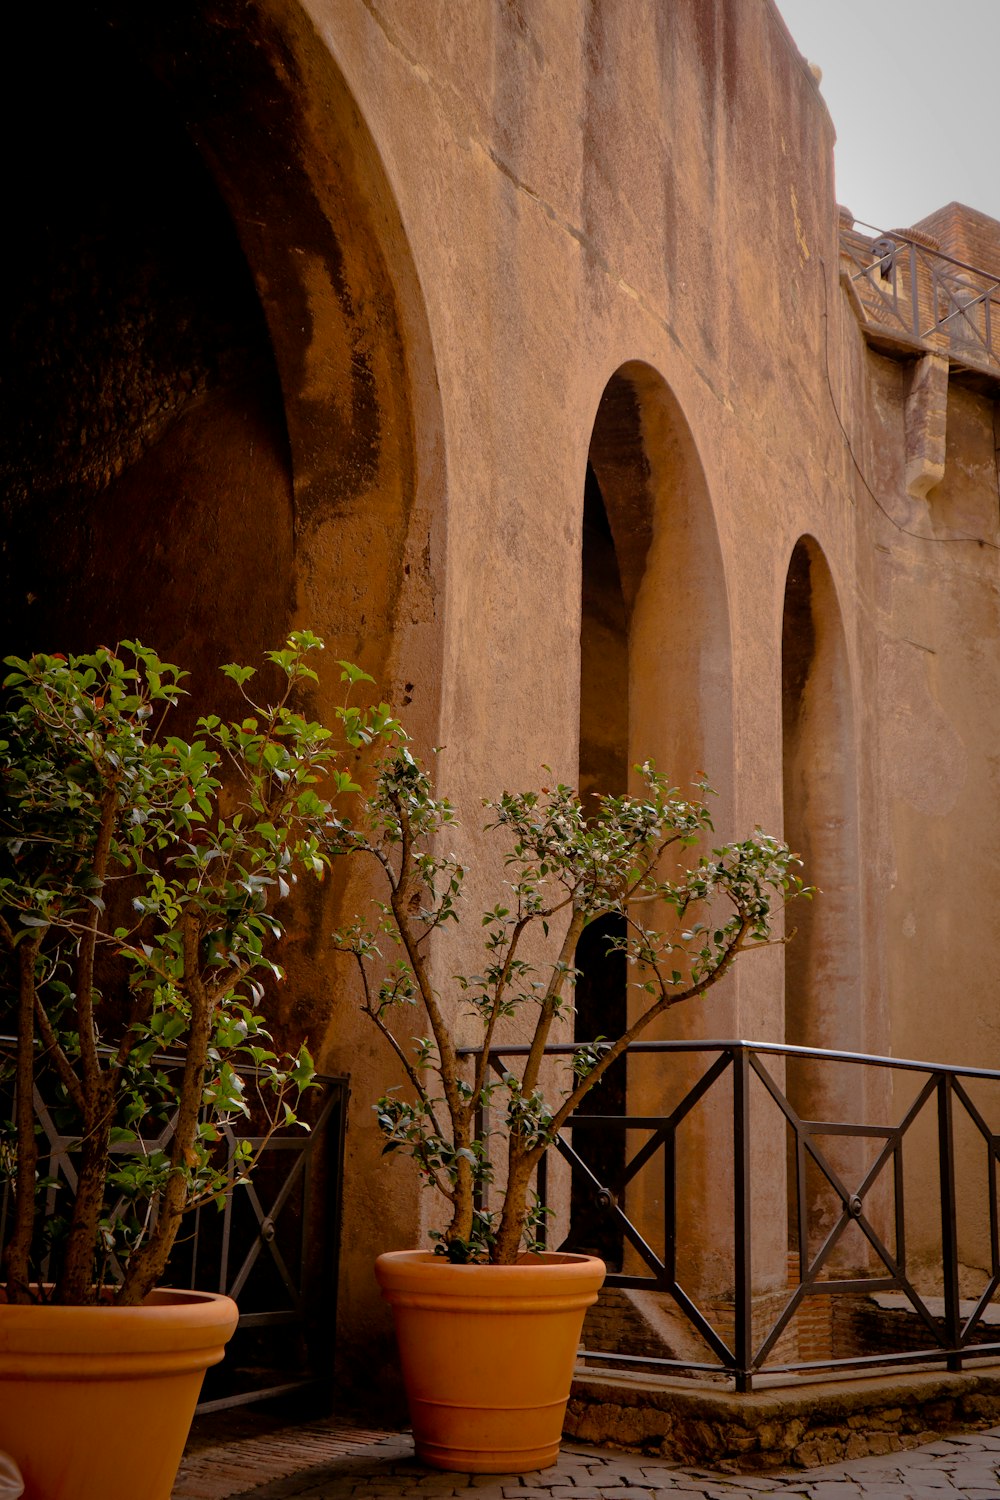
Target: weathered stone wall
[[804, 1427]]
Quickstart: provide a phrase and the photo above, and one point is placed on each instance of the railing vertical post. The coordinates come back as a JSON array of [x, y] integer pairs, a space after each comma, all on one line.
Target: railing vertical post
[[988, 321], [949, 1235], [227, 1216], [481, 1125], [670, 1204], [915, 289], [542, 1191], [743, 1331]]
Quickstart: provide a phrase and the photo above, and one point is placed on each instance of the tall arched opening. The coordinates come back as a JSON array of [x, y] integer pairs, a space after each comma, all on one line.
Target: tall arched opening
[[655, 685], [823, 1002]]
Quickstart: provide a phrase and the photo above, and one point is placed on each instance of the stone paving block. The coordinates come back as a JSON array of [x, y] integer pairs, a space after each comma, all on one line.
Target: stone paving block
[[880, 1490], [522, 1492], [929, 1478], [677, 1492], [833, 1489], [527, 1493], [829, 1473], [564, 1492], [764, 1483], [875, 1463], [666, 1475], [724, 1489], [627, 1492], [712, 1479], [724, 1485], [611, 1491], [923, 1492]]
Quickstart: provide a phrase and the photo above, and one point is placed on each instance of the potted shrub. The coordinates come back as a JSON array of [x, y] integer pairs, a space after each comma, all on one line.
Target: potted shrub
[[139, 875], [487, 1378]]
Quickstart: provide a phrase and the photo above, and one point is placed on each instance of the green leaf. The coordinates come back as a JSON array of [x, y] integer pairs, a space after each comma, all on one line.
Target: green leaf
[[352, 674]]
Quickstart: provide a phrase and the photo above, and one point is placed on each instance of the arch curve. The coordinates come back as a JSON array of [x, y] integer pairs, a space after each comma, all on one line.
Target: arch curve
[[645, 457]]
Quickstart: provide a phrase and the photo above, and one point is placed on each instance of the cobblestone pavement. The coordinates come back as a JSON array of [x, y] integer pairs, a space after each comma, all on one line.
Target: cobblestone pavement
[[327, 1462]]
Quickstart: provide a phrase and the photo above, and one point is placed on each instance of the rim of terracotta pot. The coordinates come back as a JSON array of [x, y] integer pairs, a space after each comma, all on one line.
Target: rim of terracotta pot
[[43, 1328], [416, 1269]]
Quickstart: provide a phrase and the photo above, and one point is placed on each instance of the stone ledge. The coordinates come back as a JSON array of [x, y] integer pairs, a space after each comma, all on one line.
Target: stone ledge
[[798, 1426]]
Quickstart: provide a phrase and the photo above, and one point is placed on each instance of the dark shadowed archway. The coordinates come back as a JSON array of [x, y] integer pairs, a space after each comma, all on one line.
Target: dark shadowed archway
[[823, 1003], [212, 332]]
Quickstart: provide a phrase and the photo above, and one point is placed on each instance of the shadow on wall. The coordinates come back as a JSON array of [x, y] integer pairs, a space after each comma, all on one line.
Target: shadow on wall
[[144, 460]]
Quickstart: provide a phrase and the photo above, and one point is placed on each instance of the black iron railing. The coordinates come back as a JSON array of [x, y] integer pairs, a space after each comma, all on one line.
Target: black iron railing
[[272, 1246], [909, 294], [920, 1166]]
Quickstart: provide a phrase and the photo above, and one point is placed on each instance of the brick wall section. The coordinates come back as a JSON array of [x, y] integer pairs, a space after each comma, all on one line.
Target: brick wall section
[[615, 1325], [824, 1328], [862, 1327], [813, 1323], [966, 234]]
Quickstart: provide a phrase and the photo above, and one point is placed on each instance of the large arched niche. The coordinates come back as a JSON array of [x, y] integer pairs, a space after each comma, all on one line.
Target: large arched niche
[[220, 404], [823, 959], [656, 684]]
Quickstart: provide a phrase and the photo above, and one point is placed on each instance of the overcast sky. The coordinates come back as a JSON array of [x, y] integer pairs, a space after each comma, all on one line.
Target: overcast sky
[[913, 87]]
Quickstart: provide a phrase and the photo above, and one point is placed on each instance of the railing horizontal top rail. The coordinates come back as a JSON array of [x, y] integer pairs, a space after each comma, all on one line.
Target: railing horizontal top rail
[[783, 1049], [912, 239], [839, 1162], [918, 243]]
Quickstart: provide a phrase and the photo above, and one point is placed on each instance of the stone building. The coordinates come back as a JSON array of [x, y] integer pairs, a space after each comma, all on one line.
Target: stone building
[[520, 349]]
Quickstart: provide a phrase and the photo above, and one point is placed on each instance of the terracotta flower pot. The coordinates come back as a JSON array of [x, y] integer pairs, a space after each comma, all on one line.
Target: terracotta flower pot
[[487, 1354], [96, 1402]]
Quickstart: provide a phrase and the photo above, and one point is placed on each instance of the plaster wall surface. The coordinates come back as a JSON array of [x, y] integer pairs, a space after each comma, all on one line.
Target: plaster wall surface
[[591, 188], [585, 187]]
